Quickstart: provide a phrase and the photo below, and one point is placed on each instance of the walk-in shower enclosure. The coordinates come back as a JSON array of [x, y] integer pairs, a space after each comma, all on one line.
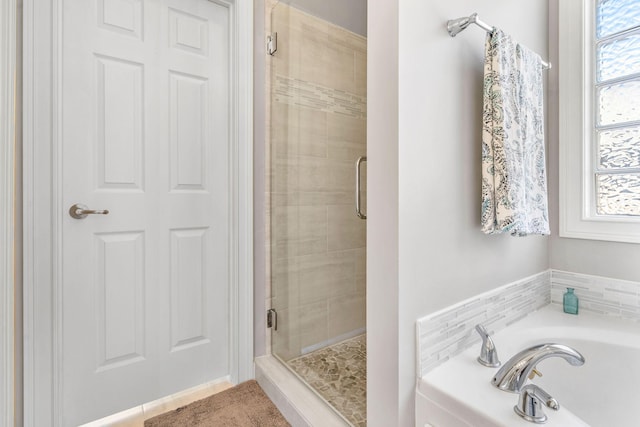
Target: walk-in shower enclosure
[[317, 130]]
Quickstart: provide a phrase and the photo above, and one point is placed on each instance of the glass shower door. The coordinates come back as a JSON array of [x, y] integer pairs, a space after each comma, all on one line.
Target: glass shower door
[[317, 80]]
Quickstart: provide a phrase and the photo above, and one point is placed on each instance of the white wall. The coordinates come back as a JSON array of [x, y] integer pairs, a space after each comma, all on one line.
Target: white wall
[[383, 290], [617, 260], [433, 242]]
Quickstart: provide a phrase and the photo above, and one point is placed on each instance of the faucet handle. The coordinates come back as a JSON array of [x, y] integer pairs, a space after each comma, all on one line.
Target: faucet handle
[[534, 372], [531, 401], [488, 353]]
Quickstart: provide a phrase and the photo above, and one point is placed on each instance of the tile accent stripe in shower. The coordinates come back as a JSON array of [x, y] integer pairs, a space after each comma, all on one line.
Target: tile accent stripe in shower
[[292, 91], [599, 295], [446, 333]]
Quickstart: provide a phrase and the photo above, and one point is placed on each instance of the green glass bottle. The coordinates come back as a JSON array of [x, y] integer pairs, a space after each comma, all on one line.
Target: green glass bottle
[[570, 302]]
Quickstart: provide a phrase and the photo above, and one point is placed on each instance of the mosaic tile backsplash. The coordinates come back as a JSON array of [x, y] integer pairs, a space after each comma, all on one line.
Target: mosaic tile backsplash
[[599, 295], [449, 332]]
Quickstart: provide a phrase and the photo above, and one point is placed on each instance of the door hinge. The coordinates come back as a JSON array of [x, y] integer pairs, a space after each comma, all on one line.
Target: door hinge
[[272, 319], [272, 43]]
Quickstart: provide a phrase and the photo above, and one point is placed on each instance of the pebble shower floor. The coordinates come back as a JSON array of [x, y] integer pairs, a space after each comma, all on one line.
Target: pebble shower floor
[[339, 374]]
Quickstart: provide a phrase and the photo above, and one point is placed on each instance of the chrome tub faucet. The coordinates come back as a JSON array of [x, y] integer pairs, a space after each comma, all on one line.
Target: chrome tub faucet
[[514, 374]]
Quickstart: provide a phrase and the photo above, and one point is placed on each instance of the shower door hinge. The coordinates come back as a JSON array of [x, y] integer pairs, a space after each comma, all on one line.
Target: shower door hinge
[[272, 43], [272, 319]]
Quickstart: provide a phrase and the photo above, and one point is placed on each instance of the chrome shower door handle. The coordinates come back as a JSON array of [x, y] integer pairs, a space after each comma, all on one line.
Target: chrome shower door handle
[[80, 211], [358, 210]]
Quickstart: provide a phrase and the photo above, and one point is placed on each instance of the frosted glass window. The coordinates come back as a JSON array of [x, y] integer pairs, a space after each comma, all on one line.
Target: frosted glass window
[[619, 148], [619, 103], [613, 16], [618, 194], [617, 107], [619, 57]]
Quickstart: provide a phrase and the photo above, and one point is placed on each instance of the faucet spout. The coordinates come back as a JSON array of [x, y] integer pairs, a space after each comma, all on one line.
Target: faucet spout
[[514, 373]]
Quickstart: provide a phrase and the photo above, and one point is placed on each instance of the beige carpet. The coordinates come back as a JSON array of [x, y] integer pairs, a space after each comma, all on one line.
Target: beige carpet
[[244, 405]]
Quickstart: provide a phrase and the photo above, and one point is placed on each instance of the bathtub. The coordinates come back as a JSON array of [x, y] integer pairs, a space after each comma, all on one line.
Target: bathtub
[[604, 392]]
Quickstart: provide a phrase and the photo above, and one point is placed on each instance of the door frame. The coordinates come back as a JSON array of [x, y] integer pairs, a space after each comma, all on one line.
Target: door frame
[[43, 211], [8, 67]]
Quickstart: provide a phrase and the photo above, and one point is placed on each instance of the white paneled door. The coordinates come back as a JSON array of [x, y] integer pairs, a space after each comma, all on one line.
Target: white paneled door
[[145, 134]]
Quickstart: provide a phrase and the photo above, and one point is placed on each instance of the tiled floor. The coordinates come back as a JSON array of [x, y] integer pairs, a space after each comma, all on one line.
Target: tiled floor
[[339, 374]]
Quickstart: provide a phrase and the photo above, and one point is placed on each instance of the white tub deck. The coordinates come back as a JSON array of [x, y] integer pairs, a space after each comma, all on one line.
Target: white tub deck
[[603, 392]]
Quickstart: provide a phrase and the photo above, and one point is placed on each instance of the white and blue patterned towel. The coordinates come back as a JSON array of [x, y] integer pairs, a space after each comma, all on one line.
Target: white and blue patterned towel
[[514, 184]]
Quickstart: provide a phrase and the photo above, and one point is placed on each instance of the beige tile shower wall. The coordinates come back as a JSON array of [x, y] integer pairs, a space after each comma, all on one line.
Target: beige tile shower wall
[[317, 131]]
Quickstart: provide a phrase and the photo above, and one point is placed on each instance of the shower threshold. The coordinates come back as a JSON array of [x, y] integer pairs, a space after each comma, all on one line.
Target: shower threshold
[[304, 405], [299, 403]]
